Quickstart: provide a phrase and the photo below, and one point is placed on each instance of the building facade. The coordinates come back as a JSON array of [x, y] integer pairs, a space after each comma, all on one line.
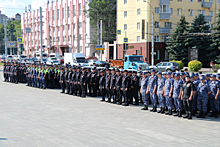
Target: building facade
[[65, 28], [134, 19], [3, 17]]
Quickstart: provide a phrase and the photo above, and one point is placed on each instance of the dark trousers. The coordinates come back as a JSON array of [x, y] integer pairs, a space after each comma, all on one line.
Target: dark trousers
[[67, 87], [107, 90], [83, 89], [113, 94], [118, 95], [135, 95], [16, 79], [130, 97], [102, 93], [126, 97], [52, 83], [71, 88], [62, 85], [94, 89], [79, 89], [187, 105]]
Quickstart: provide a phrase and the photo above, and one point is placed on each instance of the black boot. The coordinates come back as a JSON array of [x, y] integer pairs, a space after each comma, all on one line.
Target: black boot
[[177, 114], [160, 110], [163, 111], [170, 112], [212, 114], [155, 109], [186, 116], [180, 114], [152, 110], [193, 113], [216, 114], [200, 115], [190, 116], [203, 115], [167, 113], [145, 107]]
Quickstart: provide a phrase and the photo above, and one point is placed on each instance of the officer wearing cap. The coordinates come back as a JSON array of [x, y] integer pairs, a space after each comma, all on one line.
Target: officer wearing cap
[[70, 92], [118, 81], [62, 80], [125, 87], [83, 82], [202, 100], [207, 78], [214, 96], [72, 81], [135, 83], [160, 92], [77, 85], [66, 79], [145, 96], [151, 89], [107, 85], [88, 81], [168, 93], [177, 92], [112, 85], [102, 85], [94, 80], [15, 73], [44, 74], [98, 78], [140, 78]]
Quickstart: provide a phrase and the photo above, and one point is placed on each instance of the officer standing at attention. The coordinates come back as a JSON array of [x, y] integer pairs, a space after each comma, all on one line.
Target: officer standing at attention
[[214, 96], [177, 92], [94, 82], [140, 78], [160, 92], [102, 85], [130, 89], [107, 85], [52, 78], [168, 93], [196, 84], [66, 79], [118, 81], [135, 83], [112, 85], [78, 86], [83, 82], [151, 89], [69, 81], [15, 73], [143, 90], [125, 87], [4, 72], [187, 96], [88, 81], [72, 81], [62, 80]]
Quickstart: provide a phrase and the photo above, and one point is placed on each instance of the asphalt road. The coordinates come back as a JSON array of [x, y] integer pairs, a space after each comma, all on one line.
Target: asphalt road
[[33, 117]]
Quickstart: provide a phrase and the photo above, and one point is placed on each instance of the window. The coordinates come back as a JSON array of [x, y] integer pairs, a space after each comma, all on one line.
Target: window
[[165, 8], [157, 24], [139, 11], [69, 38], [157, 10], [58, 29], [201, 12], [211, 1], [125, 13], [48, 16], [80, 25], [58, 13], [68, 27], [138, 39], [63, 13], [168, 25], [156, 38], [74, 9], [164, 64], [190, 12], [171, 11], [125, 2], [125, 27], [53, 15], [58, 39], [80, 36], [210, 13], [138, 25], [179, 11], [80, 9], [74, 26], [63, 38], [157, 56], [80, 48], [68, 11], [63, 28]]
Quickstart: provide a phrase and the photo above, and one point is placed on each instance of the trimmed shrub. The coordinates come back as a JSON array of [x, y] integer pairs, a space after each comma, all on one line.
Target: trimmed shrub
[[216, 67], [180, 63], [195, 65]]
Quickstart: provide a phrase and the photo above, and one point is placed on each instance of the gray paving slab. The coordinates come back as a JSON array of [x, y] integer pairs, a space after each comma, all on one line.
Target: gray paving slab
[[42, 118]]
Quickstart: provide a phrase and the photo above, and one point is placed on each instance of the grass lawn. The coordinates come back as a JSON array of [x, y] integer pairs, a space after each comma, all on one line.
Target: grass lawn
[[1, 64]]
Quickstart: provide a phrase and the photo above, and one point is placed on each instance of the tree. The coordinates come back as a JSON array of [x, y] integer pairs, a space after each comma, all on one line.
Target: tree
[[202, 42], [176, 45], [214, 49], [104, 10]]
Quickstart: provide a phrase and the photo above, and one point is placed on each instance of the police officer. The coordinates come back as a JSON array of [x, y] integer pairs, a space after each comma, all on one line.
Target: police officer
[[112, 85], [125, 87], [187, 96], [118, 82], [168, 93], [107, 85], [160, 92], [83, 77], [214, 96], [77, 81], [202, 100], [151, 89], [52, 78], [140, 78], [66, 79], [102, 85], [135, 84], [177, 92], [15, 73], [69, 81], [194, 103], [143, 90], [94, 81], [62, 80], [72, 81], [88, 81]]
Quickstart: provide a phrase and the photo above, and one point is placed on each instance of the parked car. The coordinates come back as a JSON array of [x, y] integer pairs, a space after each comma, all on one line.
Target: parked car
[[101, 64], [2, 59], [31, 60], [53, 61], [61, 60], [165, 66], [23, 57], [10, 57], [90, 62]]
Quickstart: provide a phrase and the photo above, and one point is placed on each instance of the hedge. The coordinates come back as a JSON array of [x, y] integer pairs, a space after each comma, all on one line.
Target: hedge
[[195, 65]]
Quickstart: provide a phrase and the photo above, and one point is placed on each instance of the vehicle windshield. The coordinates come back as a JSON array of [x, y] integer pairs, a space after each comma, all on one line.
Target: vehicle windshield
[[23, 56], [81, 60], [55, 61], [136, 58], [53, 58], [44, 55], [9, 56], [2, 57]]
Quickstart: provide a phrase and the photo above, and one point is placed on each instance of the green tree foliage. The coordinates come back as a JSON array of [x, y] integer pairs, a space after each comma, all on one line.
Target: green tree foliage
[[202, 42], [214, 49], [176, 45], [104, 10], [195, 65]]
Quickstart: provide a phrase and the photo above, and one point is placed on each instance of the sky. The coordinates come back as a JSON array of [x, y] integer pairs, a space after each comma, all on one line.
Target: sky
[[11, 7]]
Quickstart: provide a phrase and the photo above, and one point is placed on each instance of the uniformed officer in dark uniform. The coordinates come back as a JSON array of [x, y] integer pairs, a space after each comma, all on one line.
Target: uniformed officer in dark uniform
[[66, 79], [118, 81], [102, 85], [135, 83], [125, 87], [83, 82], [187, 96], [112, 85], [72, 81], [15, 73], [77, 81], [69, 81], [62, 80], [89, 84], [107, 84], [94, 81]]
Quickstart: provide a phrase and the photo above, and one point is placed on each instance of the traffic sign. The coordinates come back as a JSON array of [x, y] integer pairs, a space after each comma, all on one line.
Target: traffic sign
[[20, 40], [119, 32], [125, 39], [100, 47], [11, 44]]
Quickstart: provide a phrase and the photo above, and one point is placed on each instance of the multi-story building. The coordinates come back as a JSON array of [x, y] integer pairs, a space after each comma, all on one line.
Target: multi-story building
[[134, 19], [3, 17], [65, 28], [16, 17]]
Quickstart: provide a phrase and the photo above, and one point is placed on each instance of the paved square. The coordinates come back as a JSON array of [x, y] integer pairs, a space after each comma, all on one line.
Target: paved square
[[32, 117]]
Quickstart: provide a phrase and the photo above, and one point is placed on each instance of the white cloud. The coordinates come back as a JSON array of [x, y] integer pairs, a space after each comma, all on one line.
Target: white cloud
[[36, 4], [10, 8]]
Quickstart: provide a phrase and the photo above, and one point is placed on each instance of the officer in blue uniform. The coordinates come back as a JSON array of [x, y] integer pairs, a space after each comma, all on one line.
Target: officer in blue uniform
[[151, 89], [214, 96], [196, 84], [143, 90], [177, 91], [168, 93], [202, 101], [160, 92]]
